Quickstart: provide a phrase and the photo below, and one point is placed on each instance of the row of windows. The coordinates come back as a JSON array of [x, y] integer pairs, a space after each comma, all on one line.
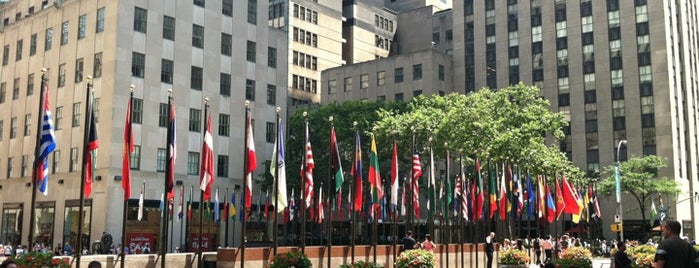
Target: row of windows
[[226, 6], [382, 42], [305, 13], [383, 23], [305, 37], [48, 41], [304, 83], [305, 60]]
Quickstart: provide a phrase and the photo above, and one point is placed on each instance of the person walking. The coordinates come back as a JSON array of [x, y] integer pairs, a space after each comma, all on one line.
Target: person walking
[[621, 259], [673, 251], [489, 249], [547, 245], [427, 244]]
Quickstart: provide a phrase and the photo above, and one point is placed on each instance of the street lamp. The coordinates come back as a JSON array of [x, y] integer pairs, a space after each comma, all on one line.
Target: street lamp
[[618, 189]]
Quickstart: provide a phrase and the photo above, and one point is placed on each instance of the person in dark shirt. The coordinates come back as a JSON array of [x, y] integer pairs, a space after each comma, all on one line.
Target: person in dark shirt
[[673, 251], [621, 259], [408, 241], [489, 249]]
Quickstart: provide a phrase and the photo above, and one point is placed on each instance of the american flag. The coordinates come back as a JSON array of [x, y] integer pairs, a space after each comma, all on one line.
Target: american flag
[[417, 172], [47, 144], [307, 170]]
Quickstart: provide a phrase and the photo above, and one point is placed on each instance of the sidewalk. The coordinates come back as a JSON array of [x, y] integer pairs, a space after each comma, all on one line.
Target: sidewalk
[[596, 263]]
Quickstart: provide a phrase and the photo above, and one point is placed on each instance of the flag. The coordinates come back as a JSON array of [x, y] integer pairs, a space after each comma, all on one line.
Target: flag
[[518, 191], [531, 196], [162, 206], [478, 193], [417, 172], [207, 161], [375, 175], [128, 149], [278, 169], [267, 204], [357, 174], [47, 144], [394, 178], [503, 195], [91, 145], [336, 165], [140, 203], [560, 203], [307, 170], [653, 213], [189, 206], [251, 163], [244, 215], [403, 209], [595, 203], [292, 206], [179, 207], [550, 206], [172, 147], [431, 185], [570, 198], [492, 188], [541, 208], [232, 209], [321, 211], [216, 207]]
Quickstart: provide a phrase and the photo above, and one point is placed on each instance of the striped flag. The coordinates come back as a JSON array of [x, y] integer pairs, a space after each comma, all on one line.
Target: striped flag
[[394, 177], [207, 161], [356, 172], [278, 168], [307, 170], [417, 172], [251, 163], [172, 147], [375, 175], [47, 144], [91, 144]]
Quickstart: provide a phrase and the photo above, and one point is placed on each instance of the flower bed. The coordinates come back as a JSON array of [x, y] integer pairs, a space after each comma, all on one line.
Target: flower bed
[[416, 258], [575, 257], [512, 256], [294, 259], [361, 264], [39, 260]]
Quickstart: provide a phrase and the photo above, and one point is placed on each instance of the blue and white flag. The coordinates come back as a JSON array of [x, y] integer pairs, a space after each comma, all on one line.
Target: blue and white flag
[[47, 144]]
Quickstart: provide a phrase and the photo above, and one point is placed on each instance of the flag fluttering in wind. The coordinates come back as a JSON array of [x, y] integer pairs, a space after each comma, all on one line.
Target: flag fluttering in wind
[[417, 172], [278, 169], [560, 203], [570, 198], [550, 206], [375, 175], [91, 145], [653, 212], [47, 144], [128, 149], [216, 207], [431, 185], [180, 213], [503, 195], [189, 205], [207, 161], [321, 210], [394, 178], [251, 163], [478, 193], [172, 147], [232, 211], [307, 170], [140, 203], [493, 204], [292, 206], [356, 172]]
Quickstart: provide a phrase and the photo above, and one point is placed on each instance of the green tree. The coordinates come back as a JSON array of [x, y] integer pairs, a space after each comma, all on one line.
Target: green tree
[[639, 178]]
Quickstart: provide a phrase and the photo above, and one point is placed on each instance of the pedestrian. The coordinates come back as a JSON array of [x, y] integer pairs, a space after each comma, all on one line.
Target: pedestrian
[[673, 251], [621, 259], [489, 249], [427, 244], [94, 264], [537, 250], [408, 241], [547, 245]]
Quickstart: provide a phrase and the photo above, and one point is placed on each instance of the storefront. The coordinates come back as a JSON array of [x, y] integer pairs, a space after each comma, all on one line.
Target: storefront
[[71, 223], [11, 223]]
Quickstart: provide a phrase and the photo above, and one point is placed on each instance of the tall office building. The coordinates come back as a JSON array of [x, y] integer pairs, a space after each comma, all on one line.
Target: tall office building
[[618, 70], [221, 50]]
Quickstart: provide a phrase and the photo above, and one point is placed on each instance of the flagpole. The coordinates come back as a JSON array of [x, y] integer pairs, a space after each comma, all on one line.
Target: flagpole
[[86, 134], [168, 172], [304, 161], [37, 152], [244, 237], [395, 210], [375, 229], [225, 221], [331, 181], [127, 148], [353, 224], [275, 228], [201, 192], [187, 240], [182, 225], [411, 211], [445, 213], [461, 209]]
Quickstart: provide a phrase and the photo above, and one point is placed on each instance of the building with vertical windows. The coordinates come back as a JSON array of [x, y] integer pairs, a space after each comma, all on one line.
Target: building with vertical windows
[[199, 49], [618, 70]]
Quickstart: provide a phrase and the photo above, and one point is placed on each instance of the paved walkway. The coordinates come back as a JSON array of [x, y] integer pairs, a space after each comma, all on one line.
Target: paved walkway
[[596, 263]]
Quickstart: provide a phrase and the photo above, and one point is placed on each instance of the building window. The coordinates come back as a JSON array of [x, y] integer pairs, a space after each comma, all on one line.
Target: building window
[[59, 117], [348, 84], [25, 165], [48, 42], [272, 57], [32, 45], [3, 92], [270, 132], [161, 160], [227, 7], [136, 157], [398, 97], [192, 163], [250, 90], [252, 11], [97, 65], [82, 26], [196, 78], [15, 89], [364, 81], [226, 44], [169, 28], [64, 33], [332, 87], [9, 167], [6, 55], [13, 127], [644, 74], [224, 125], [76, 114], [73, 159], [647, 105], [200, 3], [225, 83], [251, 51], [100, 20], [222, 166], [417, 71], [271, 94], [197, 36], [79, 67], [163, 115], [137, 111], [18, 50], [62, 75], [398, 75], [56, 161], [441, 73], [618, 108], [166, 71], [2, 129], [381, 78], [96, 109], [138, 64], [140, 20], [194, 120], [617, 78], [27, 124]]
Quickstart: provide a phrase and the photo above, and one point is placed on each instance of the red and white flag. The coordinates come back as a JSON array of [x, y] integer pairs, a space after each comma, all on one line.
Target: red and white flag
[[207, 161], [251, 163], [307, 170]]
